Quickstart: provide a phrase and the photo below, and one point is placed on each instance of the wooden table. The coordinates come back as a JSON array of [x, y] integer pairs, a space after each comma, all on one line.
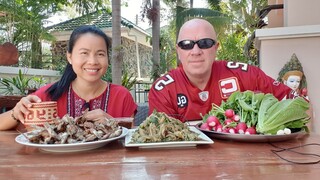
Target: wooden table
[[221, 160]]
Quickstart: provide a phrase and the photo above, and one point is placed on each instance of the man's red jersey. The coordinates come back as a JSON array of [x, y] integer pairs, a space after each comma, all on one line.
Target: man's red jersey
[[176, 96]]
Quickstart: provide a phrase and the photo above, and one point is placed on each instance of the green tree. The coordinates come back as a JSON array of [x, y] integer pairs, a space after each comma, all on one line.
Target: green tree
[[167, 50], [245, 15], [231, 48], [25, 21]]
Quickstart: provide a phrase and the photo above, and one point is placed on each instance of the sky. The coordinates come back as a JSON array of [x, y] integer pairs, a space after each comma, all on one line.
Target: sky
[[134, 8]]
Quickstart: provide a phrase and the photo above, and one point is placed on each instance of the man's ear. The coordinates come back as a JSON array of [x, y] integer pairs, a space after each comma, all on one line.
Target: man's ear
[[217, 45], [177, 49]]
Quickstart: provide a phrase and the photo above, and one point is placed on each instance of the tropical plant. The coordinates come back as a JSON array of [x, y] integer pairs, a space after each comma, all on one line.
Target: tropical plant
[[231, 48], [246, 19], [218, 19], [21, 84], [167, 51], [128, 80], [25, 24]]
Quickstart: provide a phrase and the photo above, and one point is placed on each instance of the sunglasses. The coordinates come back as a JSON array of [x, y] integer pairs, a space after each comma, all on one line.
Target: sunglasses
[[202, 43]]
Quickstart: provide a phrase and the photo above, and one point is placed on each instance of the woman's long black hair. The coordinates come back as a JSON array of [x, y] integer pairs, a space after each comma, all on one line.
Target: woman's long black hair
[[61, 86]]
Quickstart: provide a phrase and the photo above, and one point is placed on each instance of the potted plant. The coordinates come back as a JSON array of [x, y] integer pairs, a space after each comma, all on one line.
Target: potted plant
[[21, 84], [13, 89]]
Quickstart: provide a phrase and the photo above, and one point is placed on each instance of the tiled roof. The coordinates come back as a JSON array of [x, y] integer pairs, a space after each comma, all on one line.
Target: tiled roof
[[101, 19]]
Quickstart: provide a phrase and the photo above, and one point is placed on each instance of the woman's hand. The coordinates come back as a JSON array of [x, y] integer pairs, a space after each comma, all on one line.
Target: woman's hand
[[97, 114], [21, 108]]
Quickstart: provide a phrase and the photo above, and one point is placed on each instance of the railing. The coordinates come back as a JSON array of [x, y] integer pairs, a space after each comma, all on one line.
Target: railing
[[141, 91], [49, 75]]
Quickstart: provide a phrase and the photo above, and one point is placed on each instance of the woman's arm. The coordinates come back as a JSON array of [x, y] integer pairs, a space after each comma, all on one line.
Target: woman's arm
[[7, 122], [10, 119]]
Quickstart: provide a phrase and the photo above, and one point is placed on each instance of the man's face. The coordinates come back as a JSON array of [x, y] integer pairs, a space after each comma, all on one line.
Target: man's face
[[197, 61]]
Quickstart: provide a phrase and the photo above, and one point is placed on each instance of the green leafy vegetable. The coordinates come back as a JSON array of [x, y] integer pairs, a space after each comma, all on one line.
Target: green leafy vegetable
[[263, 111], [275, 115]]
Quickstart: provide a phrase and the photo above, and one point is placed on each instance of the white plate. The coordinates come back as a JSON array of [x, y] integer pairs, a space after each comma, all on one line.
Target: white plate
[[251, 138], [204, 140], [21, 139]]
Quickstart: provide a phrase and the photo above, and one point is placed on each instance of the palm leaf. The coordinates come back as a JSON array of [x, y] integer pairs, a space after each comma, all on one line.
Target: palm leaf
[[217, 18]]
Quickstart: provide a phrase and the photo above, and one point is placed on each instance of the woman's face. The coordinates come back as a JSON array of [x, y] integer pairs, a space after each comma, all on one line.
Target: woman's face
[[89, 57], [293, 82]]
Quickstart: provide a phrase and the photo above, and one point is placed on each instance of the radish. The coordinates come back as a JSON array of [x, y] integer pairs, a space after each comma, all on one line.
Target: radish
[[280, 132], [250, 130], [225, 130], [205, 126], [232, 130], [284, 131], [229, 113], [212, 121], [236, 118], [218, 128], [287, 131], [227, 121], [241, 127]]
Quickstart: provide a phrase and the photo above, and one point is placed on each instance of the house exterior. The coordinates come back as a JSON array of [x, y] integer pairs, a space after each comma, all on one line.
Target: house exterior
[[137, 49], [293, 29]]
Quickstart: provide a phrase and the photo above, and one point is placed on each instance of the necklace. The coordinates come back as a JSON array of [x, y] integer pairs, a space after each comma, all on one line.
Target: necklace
[[74, 109]]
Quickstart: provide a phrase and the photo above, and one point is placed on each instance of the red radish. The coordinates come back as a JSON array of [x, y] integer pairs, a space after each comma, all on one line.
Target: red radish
[[251, 130], [218, 128], [241, 127], [205, 126], [229, 113], [225, 130], [227, 121], [236, 118], [232, 130], [212, 121]]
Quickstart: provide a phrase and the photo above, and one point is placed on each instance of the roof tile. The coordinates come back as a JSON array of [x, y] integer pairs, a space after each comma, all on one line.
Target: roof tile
[[101, 19]]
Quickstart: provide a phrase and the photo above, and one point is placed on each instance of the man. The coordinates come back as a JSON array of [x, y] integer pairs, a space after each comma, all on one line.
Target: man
[[199, 81]]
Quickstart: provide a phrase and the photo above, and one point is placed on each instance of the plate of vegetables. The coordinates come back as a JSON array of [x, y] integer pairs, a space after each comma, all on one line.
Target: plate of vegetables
[[162, 131], [256, 117], [256, 138]]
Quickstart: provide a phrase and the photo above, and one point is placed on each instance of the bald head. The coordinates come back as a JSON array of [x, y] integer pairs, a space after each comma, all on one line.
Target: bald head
[[196, 29]]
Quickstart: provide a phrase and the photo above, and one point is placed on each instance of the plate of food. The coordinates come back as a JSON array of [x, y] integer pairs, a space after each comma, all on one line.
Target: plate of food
[[72, 147], [161, 131], [256, 117], [70, 134], [252, 137], [203, 139]]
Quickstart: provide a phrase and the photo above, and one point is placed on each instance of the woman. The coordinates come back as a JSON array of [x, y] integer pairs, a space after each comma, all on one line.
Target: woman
[[80, 86]]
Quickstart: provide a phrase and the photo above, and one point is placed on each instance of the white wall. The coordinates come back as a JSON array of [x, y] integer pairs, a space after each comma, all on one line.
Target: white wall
[[48, 75], [301, 12], [276, 47]]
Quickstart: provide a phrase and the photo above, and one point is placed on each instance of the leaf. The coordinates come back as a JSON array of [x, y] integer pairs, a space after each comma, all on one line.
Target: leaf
[[281, 113]]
